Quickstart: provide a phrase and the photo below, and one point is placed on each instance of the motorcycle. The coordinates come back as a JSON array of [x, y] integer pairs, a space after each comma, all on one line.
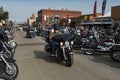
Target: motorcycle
[[92, 43], [8, 66], [30, 33], [101, 45], [64, 48], [7, 49], [115, 52], [8, 38]]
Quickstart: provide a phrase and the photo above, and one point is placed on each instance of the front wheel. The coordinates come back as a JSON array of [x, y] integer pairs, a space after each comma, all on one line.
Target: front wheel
[[115, 56], [69, 60], [13, 72]]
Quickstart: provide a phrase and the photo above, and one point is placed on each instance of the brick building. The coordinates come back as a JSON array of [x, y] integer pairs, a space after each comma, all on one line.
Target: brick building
[[49, 16]]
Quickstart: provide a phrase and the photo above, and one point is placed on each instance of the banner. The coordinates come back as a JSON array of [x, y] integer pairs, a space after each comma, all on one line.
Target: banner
[[103, 7], [95, 9]]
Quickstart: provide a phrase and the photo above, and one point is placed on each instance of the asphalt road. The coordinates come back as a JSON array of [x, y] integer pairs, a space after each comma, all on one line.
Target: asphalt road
[[35, 64]]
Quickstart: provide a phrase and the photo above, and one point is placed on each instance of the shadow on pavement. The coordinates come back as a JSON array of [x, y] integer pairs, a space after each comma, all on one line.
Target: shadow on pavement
[[46, 56], [106, 59], [100, 57], [30, 44]]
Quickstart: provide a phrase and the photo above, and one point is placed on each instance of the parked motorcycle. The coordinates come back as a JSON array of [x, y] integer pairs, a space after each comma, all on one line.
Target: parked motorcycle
[[92, 43], [7, 49], [64, 48], [8, 65], [8, 37]]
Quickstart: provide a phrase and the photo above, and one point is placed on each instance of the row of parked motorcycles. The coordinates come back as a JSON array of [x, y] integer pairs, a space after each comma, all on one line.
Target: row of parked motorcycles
[[8, 67], [100, 42]]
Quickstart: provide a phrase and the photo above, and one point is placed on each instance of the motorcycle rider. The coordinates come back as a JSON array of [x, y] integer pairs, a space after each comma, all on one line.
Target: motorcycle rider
[[53, 43]]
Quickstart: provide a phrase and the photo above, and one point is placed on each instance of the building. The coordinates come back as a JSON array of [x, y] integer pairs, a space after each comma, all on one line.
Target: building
[[83, 20], [88, 19], [32, 19], [115, 15], [49, 16]]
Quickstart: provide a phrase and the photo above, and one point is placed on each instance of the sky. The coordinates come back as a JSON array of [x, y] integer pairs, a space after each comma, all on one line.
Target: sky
[[20, 10]]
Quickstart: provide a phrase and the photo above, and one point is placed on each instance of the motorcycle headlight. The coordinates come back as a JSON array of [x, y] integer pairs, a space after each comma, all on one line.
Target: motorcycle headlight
[[90, 37], [67, 43], [79, 33], [72, 42], [61, 43]]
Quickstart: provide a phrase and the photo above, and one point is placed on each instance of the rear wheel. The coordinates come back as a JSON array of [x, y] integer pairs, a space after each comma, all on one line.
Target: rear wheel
[[115, 56]]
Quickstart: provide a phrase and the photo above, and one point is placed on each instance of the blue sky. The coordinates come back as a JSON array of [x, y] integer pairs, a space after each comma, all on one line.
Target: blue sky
[[20, 10]]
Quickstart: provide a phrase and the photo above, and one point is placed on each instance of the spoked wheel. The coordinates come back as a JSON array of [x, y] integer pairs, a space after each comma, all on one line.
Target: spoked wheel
[[115, 56], [89, 51], [13, 72]]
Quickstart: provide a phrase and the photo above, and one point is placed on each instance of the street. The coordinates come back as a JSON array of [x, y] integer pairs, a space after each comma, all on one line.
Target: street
[[35, 64]]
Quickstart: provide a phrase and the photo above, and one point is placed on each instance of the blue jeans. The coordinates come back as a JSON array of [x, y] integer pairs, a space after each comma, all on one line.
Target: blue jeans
[[54, 47]]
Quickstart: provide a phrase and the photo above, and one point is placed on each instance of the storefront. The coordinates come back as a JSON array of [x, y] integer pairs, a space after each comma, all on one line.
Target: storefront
[[116, 15]]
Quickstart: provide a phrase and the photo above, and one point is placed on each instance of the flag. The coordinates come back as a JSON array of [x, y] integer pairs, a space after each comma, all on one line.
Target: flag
[[95, 9], [103, 7]]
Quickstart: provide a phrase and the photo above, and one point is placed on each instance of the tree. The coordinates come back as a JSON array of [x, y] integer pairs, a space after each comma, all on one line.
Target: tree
[[3, 14]]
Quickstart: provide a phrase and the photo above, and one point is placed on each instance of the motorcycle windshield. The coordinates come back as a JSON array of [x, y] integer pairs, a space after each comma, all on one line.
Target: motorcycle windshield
[[63, 37]]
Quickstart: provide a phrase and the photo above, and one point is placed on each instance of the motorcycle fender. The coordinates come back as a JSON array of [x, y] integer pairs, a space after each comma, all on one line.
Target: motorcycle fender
[[10, 59], [68, 51]]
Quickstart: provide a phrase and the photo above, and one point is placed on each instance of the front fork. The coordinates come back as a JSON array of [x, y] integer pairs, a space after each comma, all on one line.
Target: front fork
[[63, 49], [5, 61]]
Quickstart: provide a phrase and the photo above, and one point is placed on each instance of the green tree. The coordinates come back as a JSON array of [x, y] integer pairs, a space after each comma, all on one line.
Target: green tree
[[3, 14]]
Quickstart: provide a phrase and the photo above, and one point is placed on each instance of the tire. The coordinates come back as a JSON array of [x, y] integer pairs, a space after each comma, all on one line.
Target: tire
[[13, 44], [59, 57], [14, 72], [115, 55], [89, 52], [4, 77], [12, 52], [69, 61]]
